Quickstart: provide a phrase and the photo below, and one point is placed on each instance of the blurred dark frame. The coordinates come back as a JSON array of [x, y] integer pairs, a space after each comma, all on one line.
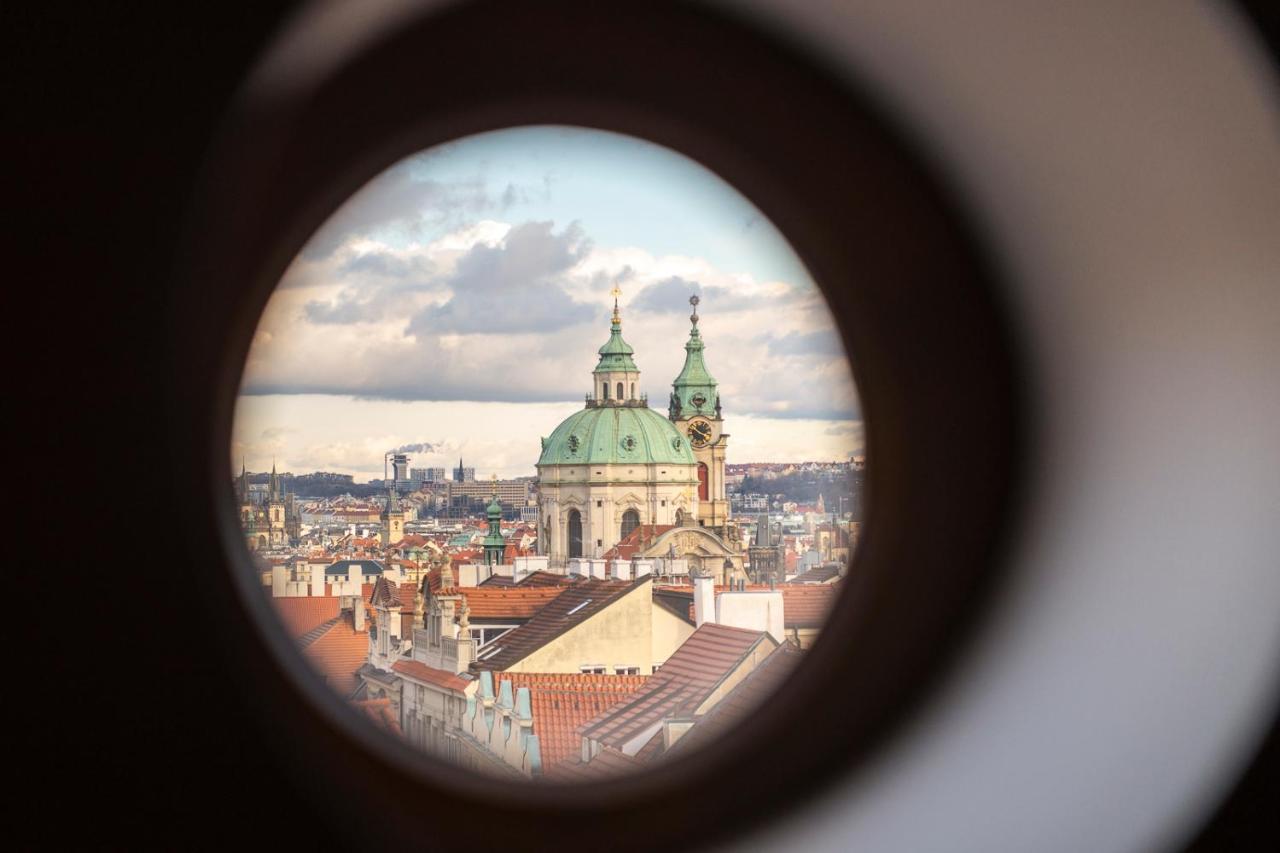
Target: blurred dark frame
[[912, 293]]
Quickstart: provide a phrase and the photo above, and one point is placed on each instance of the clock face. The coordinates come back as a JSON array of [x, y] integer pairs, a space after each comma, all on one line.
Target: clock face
[[699, 433]]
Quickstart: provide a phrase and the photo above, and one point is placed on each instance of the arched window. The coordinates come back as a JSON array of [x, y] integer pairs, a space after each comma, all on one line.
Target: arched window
[[703, 476], [575, 533], [630, 521], [604, 390], [633, 390], [621, 395], [679, 517]]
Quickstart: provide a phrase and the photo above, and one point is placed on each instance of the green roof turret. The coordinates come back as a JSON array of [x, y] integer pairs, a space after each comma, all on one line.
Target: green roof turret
[[694, 390]]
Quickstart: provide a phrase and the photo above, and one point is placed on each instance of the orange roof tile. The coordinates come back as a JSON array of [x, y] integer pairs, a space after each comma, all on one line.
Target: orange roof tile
[[636, 541], [686, 679], [561, 702], [379, 711], [803, 605], [607, 763], [337, 650], [419, 671], [301, 614]]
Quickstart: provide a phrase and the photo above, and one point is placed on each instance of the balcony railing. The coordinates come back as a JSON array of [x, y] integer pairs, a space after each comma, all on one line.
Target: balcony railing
[[594, 403]]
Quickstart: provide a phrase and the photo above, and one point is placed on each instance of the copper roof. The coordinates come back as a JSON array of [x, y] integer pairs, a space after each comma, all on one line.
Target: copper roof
[[685, 681], [570, 607]]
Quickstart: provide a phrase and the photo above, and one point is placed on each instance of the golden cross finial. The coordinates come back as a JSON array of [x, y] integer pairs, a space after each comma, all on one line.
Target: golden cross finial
[[616, 292]]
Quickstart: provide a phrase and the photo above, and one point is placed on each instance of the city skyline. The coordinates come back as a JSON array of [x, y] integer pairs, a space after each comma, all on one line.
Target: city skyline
[[457, 302]]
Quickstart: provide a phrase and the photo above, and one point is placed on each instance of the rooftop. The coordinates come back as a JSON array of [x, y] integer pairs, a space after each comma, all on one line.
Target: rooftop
[[685, 681], [570, 607], [562, 702]]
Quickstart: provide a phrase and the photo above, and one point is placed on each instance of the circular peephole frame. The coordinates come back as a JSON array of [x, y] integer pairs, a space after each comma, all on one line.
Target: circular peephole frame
[[913, 296]]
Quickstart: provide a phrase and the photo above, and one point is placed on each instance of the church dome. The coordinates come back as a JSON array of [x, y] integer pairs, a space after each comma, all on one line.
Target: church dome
[[617, 434]]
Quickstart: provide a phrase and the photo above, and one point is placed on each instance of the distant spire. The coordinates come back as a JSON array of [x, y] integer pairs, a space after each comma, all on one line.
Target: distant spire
[[694, 389]]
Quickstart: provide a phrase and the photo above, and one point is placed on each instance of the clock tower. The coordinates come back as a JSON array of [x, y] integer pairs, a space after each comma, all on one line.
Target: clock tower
[[695, 410]]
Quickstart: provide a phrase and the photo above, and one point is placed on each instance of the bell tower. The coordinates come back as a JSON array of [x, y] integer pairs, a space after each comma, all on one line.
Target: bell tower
[[392, 519], [695, 410]]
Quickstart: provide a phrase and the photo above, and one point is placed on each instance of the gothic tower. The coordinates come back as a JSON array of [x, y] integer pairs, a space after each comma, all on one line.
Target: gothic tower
[[276, 511], [695, 410], [392, 519]]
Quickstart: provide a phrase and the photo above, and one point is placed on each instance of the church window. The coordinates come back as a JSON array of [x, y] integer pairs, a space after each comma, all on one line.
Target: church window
[[575, 533], [633, 390], [621, 395], [703, 474], [605, 390], [600, 503], [630, 521]]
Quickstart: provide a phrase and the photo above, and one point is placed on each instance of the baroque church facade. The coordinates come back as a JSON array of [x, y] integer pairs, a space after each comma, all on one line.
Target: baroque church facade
[[617, 465]]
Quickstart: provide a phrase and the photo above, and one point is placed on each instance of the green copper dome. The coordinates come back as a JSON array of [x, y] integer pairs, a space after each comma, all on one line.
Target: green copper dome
[[616, 353], [604, 434]]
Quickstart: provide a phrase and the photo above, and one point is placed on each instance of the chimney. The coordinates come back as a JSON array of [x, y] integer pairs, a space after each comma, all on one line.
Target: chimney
[[704, 599], [357, 612]]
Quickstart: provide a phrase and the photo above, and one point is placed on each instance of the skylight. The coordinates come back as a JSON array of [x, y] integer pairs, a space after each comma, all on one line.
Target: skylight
[[578, 607]]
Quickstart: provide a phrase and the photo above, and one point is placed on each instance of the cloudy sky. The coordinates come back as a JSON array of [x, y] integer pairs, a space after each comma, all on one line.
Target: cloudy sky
[[455, 304]]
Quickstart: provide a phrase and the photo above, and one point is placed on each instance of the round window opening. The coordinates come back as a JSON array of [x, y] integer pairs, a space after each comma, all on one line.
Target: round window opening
[[479, 318]]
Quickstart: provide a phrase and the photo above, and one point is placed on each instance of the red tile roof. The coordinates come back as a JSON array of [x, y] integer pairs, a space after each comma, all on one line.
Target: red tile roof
[[379, 711], [419, 671], [803, 605], [336, 649], [747, 695], [301, 614], [607, 763], [685, 681], [533, 579], [561, 702], [636, 541], [569, 607], [497, 601], [807, 605], [818, 574]]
